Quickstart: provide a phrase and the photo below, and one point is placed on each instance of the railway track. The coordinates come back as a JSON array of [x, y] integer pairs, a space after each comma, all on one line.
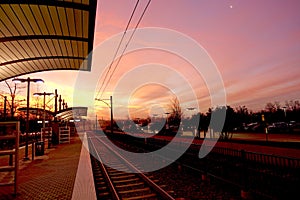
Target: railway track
[[118, 184], [267, 178]]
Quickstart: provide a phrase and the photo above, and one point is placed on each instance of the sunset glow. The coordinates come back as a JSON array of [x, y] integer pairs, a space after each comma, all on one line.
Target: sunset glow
[[254, 44]]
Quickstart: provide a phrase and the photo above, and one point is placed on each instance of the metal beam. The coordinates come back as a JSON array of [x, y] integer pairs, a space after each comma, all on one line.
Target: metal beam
[[42, 37], [40, 58]]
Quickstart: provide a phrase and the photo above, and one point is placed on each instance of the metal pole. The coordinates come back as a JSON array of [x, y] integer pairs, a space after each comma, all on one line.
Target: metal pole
[[63, 104], [12, 107], [44, 117], [55, 105], [111, 115], [27, 120], [5, 99], [59, 103], [96, 123], [44, 114]]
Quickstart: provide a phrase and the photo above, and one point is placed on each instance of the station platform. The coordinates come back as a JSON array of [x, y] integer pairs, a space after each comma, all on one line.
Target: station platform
[[63, 172]]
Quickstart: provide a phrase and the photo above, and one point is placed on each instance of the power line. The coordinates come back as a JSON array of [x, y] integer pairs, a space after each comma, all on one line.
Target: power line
[[118, 48], [131, 36]]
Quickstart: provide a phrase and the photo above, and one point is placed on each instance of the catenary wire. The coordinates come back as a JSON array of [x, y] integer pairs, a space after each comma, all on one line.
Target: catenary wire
[[118, 48], [131, 36]]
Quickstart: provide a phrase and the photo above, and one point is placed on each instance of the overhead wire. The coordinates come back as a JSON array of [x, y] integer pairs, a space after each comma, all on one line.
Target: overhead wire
[[131, 36], [118, 48]]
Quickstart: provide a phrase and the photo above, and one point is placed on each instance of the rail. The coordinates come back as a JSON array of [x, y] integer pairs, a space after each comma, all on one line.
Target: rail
[[151, 183]]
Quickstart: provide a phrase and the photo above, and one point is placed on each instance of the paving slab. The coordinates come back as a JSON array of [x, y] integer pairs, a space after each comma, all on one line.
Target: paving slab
[[50, 176]]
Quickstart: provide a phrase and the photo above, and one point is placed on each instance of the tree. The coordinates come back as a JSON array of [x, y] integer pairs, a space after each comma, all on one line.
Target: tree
[[270, 107], [12, 104], [174, 117], [175, 112]]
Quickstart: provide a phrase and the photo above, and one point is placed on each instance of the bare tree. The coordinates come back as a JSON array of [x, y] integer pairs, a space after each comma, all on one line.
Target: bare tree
[[175, 112], [12, 104], [270, 107]]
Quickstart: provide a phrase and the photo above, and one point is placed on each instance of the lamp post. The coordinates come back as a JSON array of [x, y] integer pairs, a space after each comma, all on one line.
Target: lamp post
[[5, 99], [265, 126], [28, 80], [44, 107], [284, 110], [44, 113], [191, 121], [167, 122], [111, 111]]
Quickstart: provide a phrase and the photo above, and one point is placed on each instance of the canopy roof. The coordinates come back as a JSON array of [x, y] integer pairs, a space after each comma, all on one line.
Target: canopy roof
[[72, 113], [65, 114], [41, 35]]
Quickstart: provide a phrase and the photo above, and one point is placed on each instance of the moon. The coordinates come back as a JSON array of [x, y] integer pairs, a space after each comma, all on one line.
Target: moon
[[230, 6]]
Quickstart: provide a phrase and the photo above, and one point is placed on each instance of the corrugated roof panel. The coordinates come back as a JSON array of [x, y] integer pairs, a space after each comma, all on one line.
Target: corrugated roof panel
[[85, 2], [2, 60], [63, 20], [12, 69], [75, 48], [21, 49], [67, 63], [14, 48], [57, 63], [63, 47], [86, 23], [31, 18], [55, 19], [46, 64], [29, 46], [4, 29], [7, 52], [11, 15], [6, 21], [51, 47], [45, 46], [85, 48], [20, 68], [47, 19], [78, 20], [4, 54], [30, 65], [23, 19], [39, 48], [71, 22], [43, 65], [39, 19], [57, 47], [71, 63], [69, 47], [77, 62]]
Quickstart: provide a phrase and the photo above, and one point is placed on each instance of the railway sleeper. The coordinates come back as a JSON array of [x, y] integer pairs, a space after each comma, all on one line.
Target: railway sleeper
[[140, 190], [127, 180], [104, 195], [146, 196], [117, 173], [131, 185], [114, 177]]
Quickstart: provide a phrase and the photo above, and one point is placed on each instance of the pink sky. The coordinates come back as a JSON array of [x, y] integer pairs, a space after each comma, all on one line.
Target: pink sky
[[255, 45]]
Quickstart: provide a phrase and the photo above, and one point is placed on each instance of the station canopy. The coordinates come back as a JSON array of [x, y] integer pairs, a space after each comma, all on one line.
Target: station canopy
[[42, 35], [72, 113]]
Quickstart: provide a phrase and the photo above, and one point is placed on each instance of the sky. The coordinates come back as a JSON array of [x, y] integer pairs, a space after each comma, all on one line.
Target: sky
[[254, 45]]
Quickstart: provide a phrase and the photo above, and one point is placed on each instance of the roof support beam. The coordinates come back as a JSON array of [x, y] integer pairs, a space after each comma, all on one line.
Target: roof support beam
[[40, 58], [40, 37]]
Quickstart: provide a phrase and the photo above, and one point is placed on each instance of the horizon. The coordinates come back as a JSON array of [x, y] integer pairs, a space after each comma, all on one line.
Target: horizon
[[255, 46]]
